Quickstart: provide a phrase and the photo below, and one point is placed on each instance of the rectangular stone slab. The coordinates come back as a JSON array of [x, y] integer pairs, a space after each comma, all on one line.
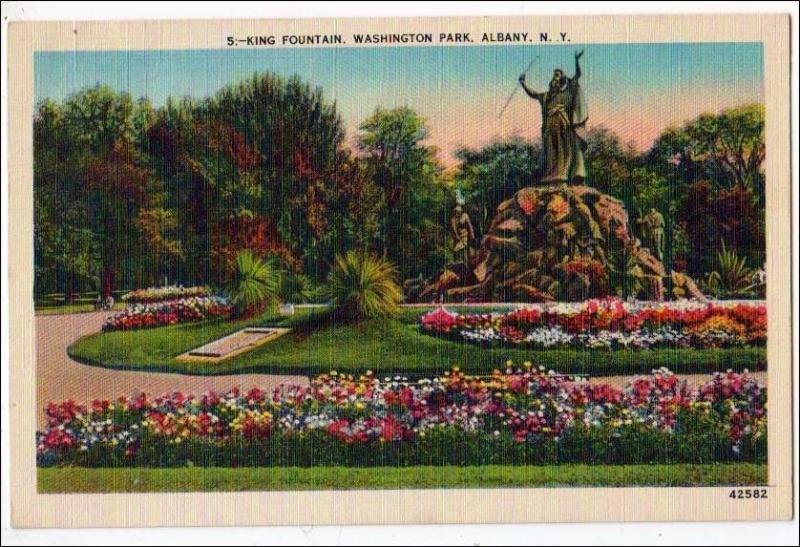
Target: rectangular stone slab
[[232, 345]]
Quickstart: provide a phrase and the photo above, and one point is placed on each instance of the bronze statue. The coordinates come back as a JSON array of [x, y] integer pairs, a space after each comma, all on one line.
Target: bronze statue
[[462, 235], [563, 124], [653, 232]]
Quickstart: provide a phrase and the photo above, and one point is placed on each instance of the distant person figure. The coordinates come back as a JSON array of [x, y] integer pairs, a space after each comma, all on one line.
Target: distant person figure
[[98, 303], [109, 303]]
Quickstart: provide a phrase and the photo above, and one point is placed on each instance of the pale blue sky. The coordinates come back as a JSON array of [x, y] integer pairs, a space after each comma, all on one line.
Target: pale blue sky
[[636, 89]]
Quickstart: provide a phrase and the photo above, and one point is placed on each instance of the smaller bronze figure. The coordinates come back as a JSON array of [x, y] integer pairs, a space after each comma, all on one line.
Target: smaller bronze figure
[[652, 226], [462, 234]]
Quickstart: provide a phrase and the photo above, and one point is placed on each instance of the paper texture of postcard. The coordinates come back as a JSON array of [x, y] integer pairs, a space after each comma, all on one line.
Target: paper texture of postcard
[[436, 270]]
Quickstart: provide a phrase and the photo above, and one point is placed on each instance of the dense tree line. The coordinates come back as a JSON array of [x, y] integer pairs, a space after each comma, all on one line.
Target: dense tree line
[[129, 195]]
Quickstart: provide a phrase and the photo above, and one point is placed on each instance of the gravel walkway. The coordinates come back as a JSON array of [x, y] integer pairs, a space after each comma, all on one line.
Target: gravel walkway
[[59, 378]]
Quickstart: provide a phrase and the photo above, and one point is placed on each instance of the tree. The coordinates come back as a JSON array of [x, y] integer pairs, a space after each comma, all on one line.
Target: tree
[[297, 138], [265, 155], [492, 174], [713, 168], [66, 251], [246, 232], [733, 142], [408, 175], [609, 164], [92, 182], [726, 149]]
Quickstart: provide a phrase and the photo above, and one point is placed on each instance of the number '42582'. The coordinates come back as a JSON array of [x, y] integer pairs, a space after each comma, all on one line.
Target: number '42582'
[[748, 494]]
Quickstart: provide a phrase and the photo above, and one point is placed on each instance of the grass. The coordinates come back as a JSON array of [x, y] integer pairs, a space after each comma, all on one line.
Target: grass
[[319, 344], [217, 479]]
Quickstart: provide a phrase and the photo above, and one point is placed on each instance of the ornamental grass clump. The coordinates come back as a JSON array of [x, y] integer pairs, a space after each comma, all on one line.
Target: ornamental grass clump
[[255, 283], [362, 286]]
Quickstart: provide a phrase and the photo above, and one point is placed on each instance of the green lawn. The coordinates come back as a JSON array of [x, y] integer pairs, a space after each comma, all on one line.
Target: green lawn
[[319, 344], [74, 479]]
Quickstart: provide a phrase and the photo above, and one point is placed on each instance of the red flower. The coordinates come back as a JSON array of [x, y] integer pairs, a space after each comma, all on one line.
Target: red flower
[[58, 439], [439, 321], [63, 413], [394, 430]]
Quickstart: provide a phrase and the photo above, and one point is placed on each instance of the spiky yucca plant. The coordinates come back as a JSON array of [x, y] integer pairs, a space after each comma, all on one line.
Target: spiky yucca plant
[[255, 283], [297, 288], [732, 277], [363, 286]]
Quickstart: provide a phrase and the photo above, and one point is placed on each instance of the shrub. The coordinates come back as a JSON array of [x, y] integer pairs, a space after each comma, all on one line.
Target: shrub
[[732, 278], [297, 288], [255, 283], [363, 286]]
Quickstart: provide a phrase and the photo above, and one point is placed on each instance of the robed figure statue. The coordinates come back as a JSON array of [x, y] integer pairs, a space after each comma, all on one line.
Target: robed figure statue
[[563, 127]]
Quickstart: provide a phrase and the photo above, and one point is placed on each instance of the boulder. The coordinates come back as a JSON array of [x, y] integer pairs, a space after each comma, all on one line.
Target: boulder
[[555, 243]]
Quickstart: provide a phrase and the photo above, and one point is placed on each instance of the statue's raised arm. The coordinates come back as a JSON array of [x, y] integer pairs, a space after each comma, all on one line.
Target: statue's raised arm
[[530, 92], [578, 72]]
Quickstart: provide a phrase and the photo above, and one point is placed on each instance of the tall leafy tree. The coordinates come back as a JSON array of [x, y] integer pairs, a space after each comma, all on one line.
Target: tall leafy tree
[[408, 174], [297, 138], [89, 158]]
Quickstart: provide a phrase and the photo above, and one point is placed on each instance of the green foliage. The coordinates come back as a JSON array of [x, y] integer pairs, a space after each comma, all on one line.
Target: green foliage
[[298, 288], [624, 274], [490, 175], [413, 198], [256, 282], [609, 164], [126, 194], [732, 278], [363, 286], [99, 208]]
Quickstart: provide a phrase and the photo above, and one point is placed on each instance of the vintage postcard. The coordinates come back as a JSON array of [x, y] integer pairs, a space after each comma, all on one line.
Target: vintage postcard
[[408, 270]]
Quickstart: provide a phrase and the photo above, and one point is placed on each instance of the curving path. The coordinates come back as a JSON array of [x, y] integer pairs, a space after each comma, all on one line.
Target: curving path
[[59, 378]]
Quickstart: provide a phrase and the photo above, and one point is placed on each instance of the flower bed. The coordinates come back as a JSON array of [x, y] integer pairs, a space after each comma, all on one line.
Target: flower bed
[[160, 294], [172, 312], [525, 416], [609, 324]]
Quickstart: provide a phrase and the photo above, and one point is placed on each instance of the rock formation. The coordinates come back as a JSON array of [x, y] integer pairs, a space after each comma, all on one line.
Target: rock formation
[[559, 242]]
